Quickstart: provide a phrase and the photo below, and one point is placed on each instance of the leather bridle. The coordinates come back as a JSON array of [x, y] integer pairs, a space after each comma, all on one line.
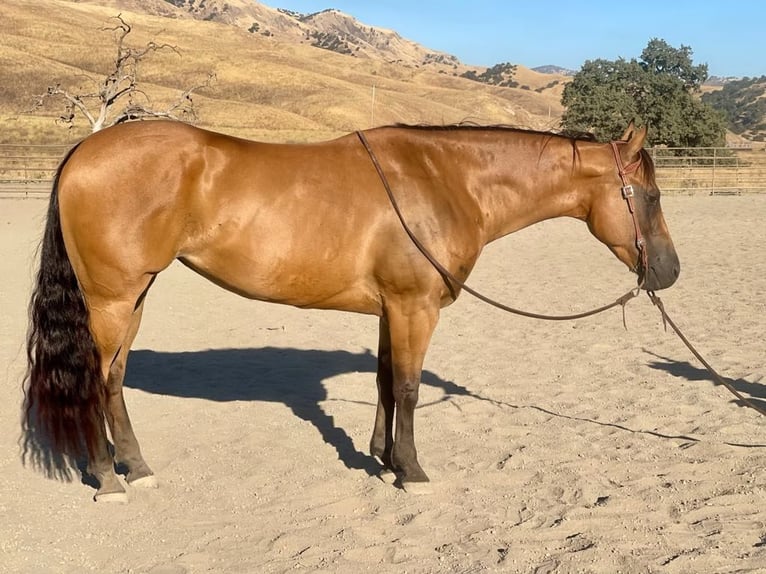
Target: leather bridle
[[628, 193]]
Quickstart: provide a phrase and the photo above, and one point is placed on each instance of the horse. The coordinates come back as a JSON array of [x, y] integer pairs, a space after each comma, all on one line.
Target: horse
[[308, 225]]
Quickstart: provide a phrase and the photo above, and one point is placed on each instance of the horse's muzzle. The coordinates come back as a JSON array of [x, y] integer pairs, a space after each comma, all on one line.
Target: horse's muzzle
[[663, 271]]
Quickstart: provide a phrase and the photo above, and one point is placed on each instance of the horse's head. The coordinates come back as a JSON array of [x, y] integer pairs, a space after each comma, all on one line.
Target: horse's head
[[625, 213]]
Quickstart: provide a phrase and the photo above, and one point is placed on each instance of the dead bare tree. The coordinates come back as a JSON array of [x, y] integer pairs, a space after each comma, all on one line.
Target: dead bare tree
[[117, 98]]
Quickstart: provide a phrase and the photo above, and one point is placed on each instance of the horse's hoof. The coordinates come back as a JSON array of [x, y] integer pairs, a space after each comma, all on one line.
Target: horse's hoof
[[112, 497], [387, 476], [149, 481], [417, 488]]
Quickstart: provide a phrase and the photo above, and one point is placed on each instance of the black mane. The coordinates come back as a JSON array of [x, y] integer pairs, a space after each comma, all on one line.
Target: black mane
[[647, 164], [578, 136]]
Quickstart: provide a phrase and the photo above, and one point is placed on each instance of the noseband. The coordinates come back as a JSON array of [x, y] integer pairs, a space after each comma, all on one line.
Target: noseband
[[628, 193]]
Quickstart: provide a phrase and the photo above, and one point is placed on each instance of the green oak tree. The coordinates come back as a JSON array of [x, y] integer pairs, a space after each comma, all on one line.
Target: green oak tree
[[660, 90]]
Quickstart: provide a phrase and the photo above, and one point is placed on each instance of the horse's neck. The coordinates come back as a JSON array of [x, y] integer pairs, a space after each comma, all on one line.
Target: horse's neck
[[528, 182]]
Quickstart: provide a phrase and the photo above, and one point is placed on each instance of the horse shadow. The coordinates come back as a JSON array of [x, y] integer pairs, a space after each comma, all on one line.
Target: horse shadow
[[755, 392], [293, 377]]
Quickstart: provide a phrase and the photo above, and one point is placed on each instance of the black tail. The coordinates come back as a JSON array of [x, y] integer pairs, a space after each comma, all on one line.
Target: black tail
[[64, 389]]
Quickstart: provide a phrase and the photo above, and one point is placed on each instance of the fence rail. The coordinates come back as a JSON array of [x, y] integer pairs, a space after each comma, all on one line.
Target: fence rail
[[29, 163], [679, 170], [722, 171]]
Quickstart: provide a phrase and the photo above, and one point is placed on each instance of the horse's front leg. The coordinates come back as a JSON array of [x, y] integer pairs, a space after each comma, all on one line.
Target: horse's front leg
[[411, 325], [382, 441]]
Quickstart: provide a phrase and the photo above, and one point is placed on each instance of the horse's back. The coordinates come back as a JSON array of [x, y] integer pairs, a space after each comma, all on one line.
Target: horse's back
[[309, 224]]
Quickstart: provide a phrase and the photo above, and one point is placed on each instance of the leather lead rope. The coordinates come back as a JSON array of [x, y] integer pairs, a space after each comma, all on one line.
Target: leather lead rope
[[453, 281], [627, 192], [716, 377]]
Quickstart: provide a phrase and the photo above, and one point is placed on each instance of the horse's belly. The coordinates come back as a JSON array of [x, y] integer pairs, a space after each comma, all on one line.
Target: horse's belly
[[344, 260], [291, 281]]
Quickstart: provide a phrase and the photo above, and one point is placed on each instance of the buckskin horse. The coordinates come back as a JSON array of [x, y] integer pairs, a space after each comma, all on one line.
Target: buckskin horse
[[308, 225]]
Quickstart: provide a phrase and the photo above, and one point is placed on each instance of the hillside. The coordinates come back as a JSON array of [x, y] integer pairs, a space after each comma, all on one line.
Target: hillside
[[329, 29], [272, 83], [743, 104]]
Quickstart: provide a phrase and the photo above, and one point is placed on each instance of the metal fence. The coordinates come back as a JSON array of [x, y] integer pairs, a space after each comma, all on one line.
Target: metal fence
[[28, 169], [25, 163], [722, 171]]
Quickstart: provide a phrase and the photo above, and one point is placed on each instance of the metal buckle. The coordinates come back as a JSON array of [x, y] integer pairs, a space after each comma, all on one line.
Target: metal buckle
[[627, 191]]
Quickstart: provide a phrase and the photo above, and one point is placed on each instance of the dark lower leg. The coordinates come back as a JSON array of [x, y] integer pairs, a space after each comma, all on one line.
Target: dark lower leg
[[101, 467], [126, 449], [405, 455], [382, 436], [382, 440]]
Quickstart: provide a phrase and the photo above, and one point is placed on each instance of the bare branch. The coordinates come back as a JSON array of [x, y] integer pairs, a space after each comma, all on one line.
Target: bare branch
[[73, 104], [185, 105], [103, 107]]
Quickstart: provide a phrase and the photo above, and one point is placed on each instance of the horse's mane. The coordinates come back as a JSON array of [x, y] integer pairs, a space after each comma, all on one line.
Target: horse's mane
[[573, 136], [647, 165], [470, 126]]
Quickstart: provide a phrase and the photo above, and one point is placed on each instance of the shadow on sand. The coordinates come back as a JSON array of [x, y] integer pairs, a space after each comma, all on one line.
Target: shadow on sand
[[293, 377], [688, 372]]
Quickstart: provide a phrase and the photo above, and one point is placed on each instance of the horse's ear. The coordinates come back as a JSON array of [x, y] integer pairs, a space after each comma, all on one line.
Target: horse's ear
[[636, 141], [628, 132]]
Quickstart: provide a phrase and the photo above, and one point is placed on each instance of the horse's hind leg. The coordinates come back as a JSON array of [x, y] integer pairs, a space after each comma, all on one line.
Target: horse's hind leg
[[126, 449], [101, 466], [111, 323]]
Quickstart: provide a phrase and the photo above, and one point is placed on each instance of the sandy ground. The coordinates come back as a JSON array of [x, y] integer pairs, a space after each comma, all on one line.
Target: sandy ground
[[553, 447]]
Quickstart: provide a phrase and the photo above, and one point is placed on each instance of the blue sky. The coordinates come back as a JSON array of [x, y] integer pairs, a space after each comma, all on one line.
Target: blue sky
[[726, 35]]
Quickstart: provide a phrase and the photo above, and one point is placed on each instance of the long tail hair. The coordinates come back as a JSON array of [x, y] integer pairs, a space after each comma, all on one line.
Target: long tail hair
[[64, 389]]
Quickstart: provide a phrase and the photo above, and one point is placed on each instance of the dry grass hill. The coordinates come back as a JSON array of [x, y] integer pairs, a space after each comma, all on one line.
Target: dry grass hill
[[272, 83], [329, 29]]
